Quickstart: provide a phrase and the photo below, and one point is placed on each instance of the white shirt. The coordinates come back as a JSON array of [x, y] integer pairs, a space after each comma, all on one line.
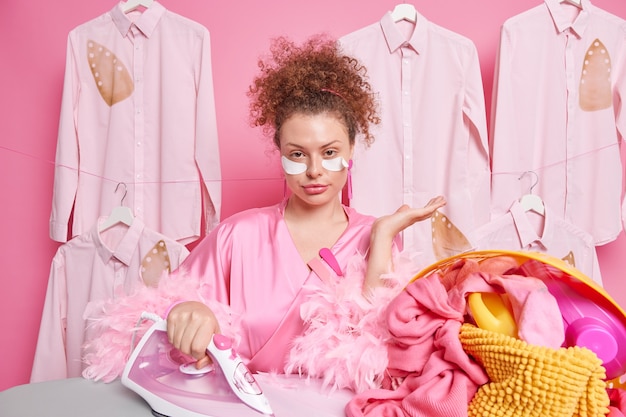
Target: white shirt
[[138, 108], [93, 266], [558, 110], [521, 230], [433, 137]]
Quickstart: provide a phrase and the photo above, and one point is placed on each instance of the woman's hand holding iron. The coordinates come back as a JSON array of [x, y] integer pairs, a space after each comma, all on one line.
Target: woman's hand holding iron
[[190, 326]]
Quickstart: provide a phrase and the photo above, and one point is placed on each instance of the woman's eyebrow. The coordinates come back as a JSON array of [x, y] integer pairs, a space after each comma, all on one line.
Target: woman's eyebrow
[[295, 145]]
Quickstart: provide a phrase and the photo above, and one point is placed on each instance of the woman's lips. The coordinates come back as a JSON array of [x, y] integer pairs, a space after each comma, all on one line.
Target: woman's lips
[[315, 188]]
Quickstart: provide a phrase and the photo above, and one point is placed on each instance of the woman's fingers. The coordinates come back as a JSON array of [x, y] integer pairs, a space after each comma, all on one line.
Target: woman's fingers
[[190, 326], [406, 216]]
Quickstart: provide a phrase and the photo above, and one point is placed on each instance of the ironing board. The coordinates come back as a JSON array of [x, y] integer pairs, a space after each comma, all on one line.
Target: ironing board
[[72, 397], [85, 398]]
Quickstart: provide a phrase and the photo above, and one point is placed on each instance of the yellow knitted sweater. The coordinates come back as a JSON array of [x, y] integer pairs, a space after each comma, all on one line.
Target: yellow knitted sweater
[[528, 380]]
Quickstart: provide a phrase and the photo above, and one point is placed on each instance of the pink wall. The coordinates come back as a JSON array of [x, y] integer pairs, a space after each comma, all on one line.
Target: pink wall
[[32, 56]]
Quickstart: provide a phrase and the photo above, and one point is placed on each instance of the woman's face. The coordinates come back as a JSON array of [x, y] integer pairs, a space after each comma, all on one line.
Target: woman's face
[[314, 151]]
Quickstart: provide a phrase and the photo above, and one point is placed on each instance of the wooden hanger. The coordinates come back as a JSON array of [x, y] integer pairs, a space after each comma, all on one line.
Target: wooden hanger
[[404, 11], [131, 5], [530, 201], [119, 214]]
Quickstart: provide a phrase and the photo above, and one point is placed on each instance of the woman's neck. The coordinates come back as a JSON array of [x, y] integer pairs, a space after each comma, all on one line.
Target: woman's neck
[[314, 227], [296, 211]]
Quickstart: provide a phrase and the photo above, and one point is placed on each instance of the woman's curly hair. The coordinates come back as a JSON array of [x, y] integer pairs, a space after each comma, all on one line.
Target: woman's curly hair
[[312, 78]]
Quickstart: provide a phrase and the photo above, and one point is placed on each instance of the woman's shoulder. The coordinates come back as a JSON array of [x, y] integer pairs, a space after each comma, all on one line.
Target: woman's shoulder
[[358, 218], [247, 223], [255, 216]]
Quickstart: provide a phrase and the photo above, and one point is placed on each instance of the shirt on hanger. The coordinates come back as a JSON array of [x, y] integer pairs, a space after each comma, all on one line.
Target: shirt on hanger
[[90, 267], [559, 88], [138, 108], [432, 138], [518, 230]]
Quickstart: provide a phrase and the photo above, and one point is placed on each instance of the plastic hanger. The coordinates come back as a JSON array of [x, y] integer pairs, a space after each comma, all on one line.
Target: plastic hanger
[[576, 3], [119, 214], [531, 201], [131, 5], [404, 11]]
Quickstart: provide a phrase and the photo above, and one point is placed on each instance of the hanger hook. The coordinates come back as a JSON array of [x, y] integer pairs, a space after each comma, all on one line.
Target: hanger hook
[[535, 176], [125, 191]]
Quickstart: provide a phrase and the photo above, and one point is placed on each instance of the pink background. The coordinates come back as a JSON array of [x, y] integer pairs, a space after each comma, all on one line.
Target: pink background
[[32, 56]]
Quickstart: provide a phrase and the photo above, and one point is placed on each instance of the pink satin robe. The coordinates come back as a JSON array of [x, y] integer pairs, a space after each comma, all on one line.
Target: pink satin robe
[[250, 262]]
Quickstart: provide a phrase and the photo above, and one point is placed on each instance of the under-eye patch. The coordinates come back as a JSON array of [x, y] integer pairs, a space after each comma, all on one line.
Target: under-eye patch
[[335, 164], [294, 168]]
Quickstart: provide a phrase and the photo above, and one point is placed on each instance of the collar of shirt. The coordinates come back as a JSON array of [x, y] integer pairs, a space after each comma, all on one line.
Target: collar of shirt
[[526, 231], [562, 21], [395, 39], [126, 247], [146, 22]]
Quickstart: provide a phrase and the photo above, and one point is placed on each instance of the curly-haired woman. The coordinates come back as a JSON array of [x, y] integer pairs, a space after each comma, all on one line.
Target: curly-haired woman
[[263, 263], [314, 100]]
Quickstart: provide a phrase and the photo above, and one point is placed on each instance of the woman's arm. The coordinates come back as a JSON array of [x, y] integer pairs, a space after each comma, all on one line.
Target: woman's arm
[[384, 230]]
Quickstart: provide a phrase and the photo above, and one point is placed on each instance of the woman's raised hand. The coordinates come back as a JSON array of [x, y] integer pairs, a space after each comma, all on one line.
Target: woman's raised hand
[[384, 231], [392, 224]]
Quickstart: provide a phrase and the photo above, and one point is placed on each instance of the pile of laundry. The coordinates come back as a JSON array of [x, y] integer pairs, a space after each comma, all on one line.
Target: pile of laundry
[[431, 359]]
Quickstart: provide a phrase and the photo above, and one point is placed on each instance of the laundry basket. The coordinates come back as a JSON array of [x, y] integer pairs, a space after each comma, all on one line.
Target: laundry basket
[[591, 318]]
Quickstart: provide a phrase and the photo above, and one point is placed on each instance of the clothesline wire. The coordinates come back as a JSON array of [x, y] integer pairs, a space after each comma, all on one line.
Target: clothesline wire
[[553, 164], [53, 163]]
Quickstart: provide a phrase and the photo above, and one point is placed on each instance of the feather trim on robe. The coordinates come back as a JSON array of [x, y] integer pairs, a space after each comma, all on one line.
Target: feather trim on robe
[[344, 342], [114, 325]]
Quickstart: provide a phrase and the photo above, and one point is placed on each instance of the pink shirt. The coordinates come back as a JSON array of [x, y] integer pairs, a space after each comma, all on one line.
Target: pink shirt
[[138, 108], [251, 263], [90, 267], [558, 110], [433, 136], [521, 230]]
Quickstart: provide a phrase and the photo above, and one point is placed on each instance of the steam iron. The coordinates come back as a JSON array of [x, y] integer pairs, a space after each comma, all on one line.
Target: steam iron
[[169, 382]]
